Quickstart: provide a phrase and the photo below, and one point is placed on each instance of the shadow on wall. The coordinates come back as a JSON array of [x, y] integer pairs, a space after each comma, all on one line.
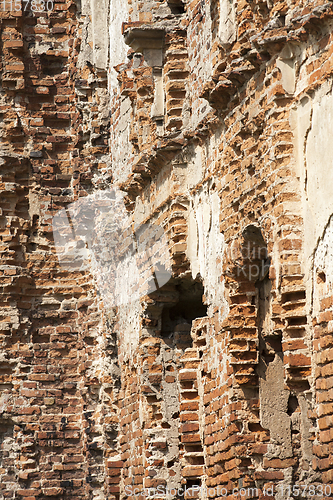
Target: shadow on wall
[[189, 306]]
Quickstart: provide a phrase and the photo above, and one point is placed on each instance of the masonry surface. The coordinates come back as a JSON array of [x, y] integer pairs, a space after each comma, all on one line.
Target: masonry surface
[[201, 130]]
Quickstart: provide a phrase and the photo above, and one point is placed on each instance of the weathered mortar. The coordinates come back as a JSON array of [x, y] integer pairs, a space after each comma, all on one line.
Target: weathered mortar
[[215, 120]]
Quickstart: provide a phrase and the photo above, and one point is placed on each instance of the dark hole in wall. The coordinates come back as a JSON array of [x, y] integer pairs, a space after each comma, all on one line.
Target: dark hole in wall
[[111, 432], [193, 448], [270, 351], [57, 123], [292, 404], [297, 321], [152, 399], [293, 296], [193, 483], [282, 20], [274, 344], [176, 7], [78, 7], [52, 65], [255, 427], [321, 277], [298, 386], [178, 317], [295, 333]]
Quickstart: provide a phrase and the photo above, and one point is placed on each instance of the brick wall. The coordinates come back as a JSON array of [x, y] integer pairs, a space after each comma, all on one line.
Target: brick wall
[[56, 433], [221, 379]]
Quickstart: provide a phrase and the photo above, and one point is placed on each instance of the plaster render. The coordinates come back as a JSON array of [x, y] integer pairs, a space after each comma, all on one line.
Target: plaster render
[[314, 164], [206, 244], [274, 405], [118, 48], [319, 164], [227, 28], [322, 263]]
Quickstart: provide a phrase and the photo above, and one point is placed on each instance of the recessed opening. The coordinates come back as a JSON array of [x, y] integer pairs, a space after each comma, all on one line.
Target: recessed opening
[[282, 20], [300, 385], [177, 7], [294, 333], [6, 440], [193, 483], [178, 317], [190, 395], [267, 356], [193, 448], [52, 65], [321, 277], [292, 404], [186, 384], [300, 320], [255, 427], [274, 344], [293, 296], [199, 460]]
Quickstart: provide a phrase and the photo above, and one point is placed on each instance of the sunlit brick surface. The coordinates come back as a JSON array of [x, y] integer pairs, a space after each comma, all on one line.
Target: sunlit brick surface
[[215, 119]]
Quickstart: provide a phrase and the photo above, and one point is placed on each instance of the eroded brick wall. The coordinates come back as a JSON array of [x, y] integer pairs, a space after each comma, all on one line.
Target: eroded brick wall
[[215, 119], [56, 424]]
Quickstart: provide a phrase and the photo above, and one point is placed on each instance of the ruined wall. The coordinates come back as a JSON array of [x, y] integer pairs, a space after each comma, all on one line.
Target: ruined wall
[[184, 340], [58, 419]]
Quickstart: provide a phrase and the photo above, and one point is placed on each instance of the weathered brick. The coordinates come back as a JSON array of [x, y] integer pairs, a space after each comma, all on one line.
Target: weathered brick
[[203, 139]]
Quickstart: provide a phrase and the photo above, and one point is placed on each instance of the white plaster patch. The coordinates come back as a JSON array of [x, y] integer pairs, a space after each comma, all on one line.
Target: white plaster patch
[[312, 124], [118, 48], [130, 326], [206, 245], [288, 73], [95, 43], [287, 62], [323, 263], [100, 16], [227, 26], [319, 163], [120, 143], [195, 167]]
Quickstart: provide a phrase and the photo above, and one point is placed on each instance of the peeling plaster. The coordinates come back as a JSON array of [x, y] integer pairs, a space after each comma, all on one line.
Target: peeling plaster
[[273, 408], [206, 244], [312, 123]]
